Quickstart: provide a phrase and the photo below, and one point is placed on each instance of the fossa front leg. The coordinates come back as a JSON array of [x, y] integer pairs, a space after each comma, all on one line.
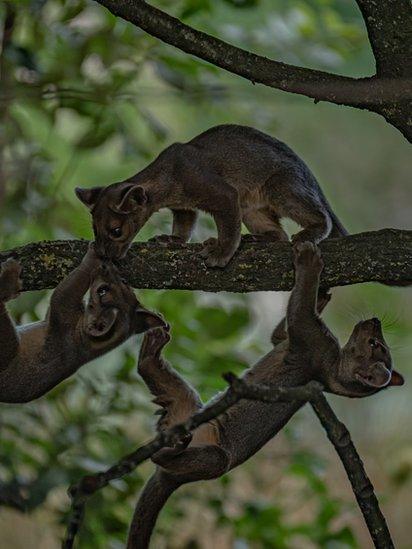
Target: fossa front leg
[[306, 331], [204, 458], [280, 333], [218, 252], [10, 281], [67, 298], [177, 398], [183, 225]]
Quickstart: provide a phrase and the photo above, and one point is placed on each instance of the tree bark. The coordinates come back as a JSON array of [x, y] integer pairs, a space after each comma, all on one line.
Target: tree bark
[[388, 93], [238, 389], [362, 487], [389, 26], [380, 256]]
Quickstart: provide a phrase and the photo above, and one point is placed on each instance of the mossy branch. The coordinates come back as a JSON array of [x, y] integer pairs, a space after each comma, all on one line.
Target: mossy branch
[[382, 256]]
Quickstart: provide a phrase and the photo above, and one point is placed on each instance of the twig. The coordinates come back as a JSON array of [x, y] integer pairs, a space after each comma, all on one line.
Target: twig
[[237, 390], [362, 487]]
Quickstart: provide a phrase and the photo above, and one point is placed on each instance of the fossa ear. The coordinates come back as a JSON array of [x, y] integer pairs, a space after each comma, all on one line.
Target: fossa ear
[[89, 197], [397, 379], [374, 375], [132, 198], [144, 320], [103, 324]]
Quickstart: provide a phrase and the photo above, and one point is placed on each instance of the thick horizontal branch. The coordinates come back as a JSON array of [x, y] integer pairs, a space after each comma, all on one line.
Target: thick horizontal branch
[[362, 487], [370, 93], [380, 256], [237, 390]]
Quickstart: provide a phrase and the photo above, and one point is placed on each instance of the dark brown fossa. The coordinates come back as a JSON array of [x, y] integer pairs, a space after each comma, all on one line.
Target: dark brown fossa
[[304, 350], [235, 173], [36, 357]]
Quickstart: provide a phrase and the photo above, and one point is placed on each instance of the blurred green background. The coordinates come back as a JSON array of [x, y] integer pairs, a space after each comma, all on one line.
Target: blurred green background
[[86, 99]]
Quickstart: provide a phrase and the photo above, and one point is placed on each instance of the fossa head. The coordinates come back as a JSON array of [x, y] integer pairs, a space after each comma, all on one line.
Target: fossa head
[[113, 310], [366, 363], [119, 211]]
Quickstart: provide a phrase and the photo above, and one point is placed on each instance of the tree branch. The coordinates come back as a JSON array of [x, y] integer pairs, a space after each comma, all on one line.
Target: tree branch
[[389, 26], [361, 485], [237, 390], [372, 93], [380, 256]]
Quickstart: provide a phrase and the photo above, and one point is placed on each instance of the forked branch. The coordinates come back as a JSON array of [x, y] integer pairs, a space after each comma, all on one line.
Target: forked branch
[[388, 93], [238, 389]]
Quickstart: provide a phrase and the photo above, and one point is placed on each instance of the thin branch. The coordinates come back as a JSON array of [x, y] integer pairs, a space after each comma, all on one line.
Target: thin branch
[[319, 85], [381, 256], [237, 390], [361, 485], [372, 93]]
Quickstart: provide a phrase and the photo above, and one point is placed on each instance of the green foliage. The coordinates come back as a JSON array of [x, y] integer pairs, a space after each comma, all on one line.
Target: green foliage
[[262, 523], [88, 99]]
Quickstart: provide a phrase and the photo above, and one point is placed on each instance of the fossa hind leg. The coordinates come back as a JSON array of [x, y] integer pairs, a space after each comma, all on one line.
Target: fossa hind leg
[[177, 398], [264, 226], [317, 223], [202, 459], [296, 196], [194, 462]]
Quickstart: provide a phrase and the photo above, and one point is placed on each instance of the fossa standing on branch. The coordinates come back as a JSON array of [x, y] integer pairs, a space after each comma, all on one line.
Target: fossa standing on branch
[[236, 174]]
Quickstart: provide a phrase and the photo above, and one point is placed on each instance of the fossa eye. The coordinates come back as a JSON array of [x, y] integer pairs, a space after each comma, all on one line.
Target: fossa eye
[[116, 232], [103, 290]]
